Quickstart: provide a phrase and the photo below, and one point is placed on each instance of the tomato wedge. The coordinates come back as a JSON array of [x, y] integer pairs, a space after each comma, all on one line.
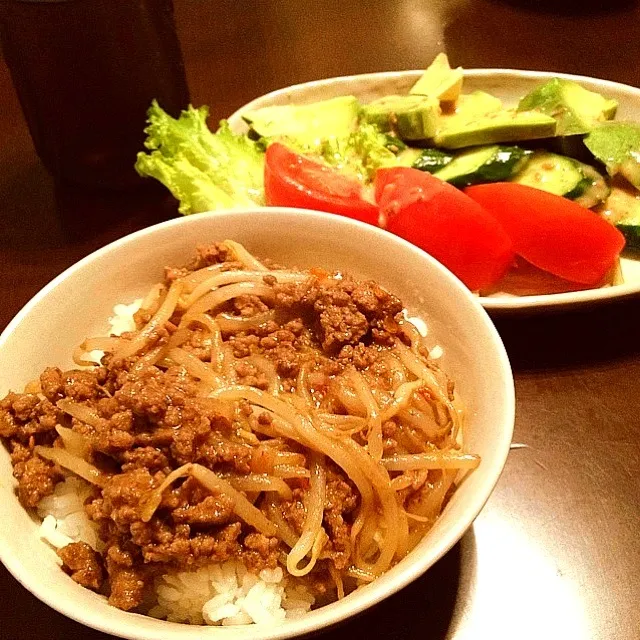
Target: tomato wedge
[[291, 180], [551, 232], [444, 222]]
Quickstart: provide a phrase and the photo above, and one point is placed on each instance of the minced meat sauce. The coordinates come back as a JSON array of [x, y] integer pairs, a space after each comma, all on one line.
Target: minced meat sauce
[[152, 419]]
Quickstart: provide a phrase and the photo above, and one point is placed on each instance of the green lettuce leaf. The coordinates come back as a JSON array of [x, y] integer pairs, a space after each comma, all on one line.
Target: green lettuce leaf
[[364, 151], [359, 153], [203, 170]]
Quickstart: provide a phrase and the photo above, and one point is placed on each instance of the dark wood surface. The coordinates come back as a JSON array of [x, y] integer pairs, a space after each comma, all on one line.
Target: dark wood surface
[[556, 552]]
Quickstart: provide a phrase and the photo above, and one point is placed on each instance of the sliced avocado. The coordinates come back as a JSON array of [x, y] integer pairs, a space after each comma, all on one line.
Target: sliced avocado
[[468, 107], [439, 80], [484, 164], [432, 160], [306, 123], [500, 126], [411, 117], [622, 208], [576, 109], [617, 146]]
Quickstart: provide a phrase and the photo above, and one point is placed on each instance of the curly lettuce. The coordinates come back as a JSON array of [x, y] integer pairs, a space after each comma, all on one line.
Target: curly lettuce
[[204, 170], [358, 153]]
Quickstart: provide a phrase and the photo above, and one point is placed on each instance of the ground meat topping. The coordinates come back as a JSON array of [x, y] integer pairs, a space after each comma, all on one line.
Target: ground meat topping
[[142, 419], [212, 510], [127, 587], [345, 312], [83, 564], [36, 477]]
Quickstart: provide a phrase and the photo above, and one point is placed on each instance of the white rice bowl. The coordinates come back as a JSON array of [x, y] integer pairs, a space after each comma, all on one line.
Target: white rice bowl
[[76, 305]]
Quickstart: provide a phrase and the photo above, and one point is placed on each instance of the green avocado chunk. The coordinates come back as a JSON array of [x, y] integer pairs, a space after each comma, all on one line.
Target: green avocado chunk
[[576, 109], [617, 146], [469, 106], [499, 126], [439, 80], [307, 123], [411, 117]]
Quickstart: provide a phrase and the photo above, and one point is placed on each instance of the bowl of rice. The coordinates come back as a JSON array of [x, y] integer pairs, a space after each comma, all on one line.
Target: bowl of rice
[[105, 295]]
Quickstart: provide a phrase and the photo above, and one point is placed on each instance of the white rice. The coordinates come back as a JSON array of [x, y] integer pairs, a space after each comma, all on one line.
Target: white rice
[[227, 594], [220, 594], [120, 322], [435, 351], [63, 516]]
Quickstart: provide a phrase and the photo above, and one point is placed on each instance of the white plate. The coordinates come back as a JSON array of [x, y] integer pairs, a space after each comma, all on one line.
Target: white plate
[[509, 85]]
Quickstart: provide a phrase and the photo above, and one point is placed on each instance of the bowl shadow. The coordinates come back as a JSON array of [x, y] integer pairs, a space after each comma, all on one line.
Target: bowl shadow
[[578, 337], [27, 618], [430, 607]]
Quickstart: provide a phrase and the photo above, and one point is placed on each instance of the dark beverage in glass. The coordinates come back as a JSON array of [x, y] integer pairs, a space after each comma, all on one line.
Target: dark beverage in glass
[[85, 72]]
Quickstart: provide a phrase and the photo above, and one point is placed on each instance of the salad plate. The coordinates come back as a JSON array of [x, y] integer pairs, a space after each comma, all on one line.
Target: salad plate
[[509, 85]]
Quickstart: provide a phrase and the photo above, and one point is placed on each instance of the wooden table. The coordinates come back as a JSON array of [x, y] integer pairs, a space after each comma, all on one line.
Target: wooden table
[[556, 552]]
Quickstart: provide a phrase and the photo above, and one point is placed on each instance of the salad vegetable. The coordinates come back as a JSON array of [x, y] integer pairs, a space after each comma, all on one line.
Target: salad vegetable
[[308, 123], [203, 170], [446, 223], [359, 153], [617, 146], [552, 176], [552, 233], [291, 180], [483, 164], [622, 208], [576, 109], [440, 81]]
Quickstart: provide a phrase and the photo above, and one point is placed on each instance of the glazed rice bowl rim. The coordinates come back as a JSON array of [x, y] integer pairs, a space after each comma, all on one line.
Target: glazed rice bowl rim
[[126, 624]]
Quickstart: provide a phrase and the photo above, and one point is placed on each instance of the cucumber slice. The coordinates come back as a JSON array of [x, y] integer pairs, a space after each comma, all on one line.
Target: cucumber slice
[[594, 188], [432, 160], [408, 157], [553, 173], [394, 144], [622, 208], [565, 177], [484, 164]]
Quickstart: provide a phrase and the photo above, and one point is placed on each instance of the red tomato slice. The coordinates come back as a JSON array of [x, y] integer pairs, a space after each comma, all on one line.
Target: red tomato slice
[[291, 180], [444, 222], [551, 232]]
